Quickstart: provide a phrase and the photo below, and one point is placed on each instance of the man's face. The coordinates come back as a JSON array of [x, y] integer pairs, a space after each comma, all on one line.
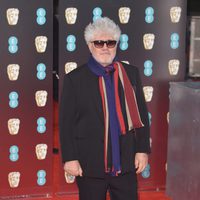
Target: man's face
[[103, 55]]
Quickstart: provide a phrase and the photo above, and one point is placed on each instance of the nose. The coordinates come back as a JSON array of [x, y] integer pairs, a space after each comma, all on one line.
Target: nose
[[105, 46]]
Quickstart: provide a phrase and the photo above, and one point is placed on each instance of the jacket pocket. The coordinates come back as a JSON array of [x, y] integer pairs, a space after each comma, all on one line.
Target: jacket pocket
[[127, 151]]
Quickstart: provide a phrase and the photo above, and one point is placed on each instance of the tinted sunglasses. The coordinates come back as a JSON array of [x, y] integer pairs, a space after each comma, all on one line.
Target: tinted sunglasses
[[100, 43]]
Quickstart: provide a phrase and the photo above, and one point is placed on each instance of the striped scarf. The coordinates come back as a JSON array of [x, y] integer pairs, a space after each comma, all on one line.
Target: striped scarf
[[109, 78]]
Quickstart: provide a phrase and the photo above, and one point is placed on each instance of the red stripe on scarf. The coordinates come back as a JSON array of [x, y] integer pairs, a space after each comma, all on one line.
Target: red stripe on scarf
[[117, 101], [128, 91]]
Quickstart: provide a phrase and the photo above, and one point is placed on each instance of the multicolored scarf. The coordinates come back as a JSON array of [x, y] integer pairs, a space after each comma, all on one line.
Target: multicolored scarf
[[109, 78]]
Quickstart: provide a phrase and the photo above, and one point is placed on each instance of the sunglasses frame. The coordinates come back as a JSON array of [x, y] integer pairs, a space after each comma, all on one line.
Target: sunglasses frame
[[100, 43]]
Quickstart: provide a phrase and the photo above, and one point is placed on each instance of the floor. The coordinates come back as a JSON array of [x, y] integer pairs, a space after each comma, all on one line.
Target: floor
[[143, 195]]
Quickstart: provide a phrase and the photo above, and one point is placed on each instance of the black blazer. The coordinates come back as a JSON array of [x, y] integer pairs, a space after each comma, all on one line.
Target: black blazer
[[81, 122]]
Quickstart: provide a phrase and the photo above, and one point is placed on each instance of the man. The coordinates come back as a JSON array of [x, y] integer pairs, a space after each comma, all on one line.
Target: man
[[104, 128]]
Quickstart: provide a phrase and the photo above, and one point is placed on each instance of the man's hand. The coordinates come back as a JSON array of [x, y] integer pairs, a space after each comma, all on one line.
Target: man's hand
[[73, 168], [141, 161]]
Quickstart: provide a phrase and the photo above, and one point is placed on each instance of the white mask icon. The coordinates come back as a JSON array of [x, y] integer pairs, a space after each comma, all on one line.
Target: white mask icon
[[71, 15], [12, 16]]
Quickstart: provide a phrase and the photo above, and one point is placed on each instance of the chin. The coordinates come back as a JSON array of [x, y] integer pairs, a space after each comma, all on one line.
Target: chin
[[105, 63]]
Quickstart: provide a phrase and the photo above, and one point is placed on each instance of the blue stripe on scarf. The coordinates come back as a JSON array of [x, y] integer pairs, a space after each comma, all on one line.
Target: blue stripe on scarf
[[115, 132]]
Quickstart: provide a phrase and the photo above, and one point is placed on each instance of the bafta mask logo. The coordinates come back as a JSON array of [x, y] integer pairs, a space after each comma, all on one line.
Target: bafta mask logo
[[124, 14], [41, 151], [41, 98], [13, 126], [69, 178], [69, 66], [175, 14], [14, 179], [148, 41], [12, 16], [148, 93], [173, 67], [13, 71], [71, 15], [41, 43]]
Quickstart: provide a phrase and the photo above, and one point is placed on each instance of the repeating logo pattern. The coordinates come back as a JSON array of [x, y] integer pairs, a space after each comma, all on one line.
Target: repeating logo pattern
[[41, 71], [41, 125], [14, 153], [71, 15], [13, 44], [41, 43], [41, 180], [14, 179], [12, 15], [124, 14], [13, 99], [150, 118], [123, 42], [15, 69], [149, 15], [23, 70], [174, 40], [148, 64], [13, 126], [71, 43], [97, 13], [41, 16], [146, 172]]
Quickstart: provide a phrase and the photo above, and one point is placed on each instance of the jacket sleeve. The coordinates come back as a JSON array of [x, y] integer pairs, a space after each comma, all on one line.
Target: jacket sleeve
[[142, 134], [67, 121]]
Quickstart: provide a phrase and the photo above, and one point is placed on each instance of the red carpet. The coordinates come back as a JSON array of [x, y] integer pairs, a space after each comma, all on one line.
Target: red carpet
[[143, 195]]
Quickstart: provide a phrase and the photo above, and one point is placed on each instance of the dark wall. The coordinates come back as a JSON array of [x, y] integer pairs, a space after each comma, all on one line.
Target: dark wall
[[193, 7], [159, 76]]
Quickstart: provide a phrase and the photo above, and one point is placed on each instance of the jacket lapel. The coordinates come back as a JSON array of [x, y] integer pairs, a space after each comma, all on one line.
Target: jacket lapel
[[96, 97]]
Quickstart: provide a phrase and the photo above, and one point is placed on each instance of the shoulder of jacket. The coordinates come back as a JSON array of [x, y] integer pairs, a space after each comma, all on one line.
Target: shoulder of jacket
[[77, 72], [129, 67]]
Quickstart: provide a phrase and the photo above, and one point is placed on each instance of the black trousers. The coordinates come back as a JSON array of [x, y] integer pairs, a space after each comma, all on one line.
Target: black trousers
[[122, 187]]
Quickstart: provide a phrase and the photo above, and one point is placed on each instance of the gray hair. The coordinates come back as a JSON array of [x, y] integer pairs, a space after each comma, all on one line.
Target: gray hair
[[102, 25]]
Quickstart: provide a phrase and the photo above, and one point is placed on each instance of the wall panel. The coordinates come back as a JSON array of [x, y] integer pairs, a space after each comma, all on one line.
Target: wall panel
[[18, 89], [145, 17]]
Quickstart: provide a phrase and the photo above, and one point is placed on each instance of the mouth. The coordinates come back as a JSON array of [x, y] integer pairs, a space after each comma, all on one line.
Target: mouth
[[105, 53]]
